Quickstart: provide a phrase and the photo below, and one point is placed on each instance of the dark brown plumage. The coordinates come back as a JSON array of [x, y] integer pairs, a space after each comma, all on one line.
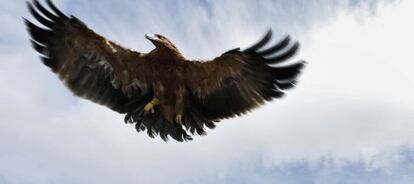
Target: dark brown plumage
[[161, 91]]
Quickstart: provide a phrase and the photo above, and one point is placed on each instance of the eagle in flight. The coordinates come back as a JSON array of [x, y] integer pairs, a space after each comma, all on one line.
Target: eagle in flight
[[161, 92]]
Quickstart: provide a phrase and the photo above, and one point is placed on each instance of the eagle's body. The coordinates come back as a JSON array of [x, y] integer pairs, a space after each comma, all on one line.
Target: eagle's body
[[168, 76], [161, 91]]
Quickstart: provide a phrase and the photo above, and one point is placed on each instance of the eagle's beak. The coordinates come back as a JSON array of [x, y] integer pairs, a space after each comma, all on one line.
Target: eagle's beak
[[151, 37]]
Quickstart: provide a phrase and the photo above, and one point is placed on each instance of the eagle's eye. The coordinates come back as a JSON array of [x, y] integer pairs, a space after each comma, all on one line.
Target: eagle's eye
[[159, 36]]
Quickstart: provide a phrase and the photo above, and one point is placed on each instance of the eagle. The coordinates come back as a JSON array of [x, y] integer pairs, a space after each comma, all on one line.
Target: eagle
[[161, 92]]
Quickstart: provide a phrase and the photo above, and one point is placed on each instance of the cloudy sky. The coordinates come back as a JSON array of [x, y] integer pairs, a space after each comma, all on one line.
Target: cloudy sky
[[350, 120]]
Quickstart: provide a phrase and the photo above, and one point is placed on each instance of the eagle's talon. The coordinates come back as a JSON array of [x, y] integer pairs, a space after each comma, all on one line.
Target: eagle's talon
[[149, 107], [178, 119]]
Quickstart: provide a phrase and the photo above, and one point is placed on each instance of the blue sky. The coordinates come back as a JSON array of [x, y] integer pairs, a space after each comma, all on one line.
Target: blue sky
[[349, 121]]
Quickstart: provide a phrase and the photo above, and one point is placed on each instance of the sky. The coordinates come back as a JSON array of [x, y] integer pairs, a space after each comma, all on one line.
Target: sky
[[349, 121]]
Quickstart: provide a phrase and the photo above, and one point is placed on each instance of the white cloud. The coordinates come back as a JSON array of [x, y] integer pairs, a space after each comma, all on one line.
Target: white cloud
[[353, 105]]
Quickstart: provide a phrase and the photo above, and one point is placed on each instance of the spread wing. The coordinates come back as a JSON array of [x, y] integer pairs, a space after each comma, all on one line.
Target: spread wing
[[91, 66], [238, 81]]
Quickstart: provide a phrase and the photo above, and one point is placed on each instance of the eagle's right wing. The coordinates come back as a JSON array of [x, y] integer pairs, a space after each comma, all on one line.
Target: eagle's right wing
[[90, 65], [241, 80]]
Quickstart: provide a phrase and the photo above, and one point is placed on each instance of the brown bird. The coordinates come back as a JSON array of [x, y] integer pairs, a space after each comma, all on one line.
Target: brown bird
[[162, 92]]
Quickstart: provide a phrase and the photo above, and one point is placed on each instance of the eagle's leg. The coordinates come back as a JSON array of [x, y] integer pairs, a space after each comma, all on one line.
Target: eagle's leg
[[179, 118], [149, 107], [179, 105]]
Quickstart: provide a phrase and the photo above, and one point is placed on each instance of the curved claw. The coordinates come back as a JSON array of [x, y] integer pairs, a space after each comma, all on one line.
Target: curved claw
[[149, 107]]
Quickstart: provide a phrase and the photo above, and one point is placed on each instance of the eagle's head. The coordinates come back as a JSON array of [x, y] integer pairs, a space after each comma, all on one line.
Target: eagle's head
[[161, 42]]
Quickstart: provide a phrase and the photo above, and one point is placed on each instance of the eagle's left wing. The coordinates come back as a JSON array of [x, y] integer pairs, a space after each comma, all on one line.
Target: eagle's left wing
[[91, 66], [239, 81]]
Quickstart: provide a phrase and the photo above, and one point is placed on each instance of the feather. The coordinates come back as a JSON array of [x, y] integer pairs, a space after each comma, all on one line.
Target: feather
[[53, 7], [45, 12], [38, 17], [275, 48], [261, 43], [284, 56], [39, 48], [287, 72], [38, 34]]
